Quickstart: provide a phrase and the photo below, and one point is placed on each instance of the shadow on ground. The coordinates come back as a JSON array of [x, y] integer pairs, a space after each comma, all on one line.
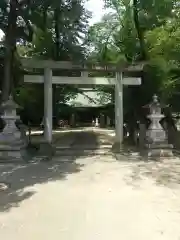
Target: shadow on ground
[[83, 143], [164, 172], [18, 177], [16, 180]]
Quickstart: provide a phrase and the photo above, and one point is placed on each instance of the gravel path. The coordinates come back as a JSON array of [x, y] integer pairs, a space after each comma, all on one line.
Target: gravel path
[[91, 198]]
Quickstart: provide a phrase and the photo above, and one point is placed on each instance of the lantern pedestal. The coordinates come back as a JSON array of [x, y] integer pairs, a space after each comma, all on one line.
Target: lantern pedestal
[[12, 143], [156, 138]]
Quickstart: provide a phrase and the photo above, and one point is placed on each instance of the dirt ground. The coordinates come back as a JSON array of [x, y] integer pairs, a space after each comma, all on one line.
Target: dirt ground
[[91, 197]]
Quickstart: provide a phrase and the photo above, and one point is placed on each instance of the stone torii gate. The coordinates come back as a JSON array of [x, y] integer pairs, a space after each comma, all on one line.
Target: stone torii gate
[[48, 79]]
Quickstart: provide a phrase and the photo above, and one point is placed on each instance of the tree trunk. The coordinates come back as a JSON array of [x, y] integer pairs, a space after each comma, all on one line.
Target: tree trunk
[[10, 46], [57, 33], [139, 30], [56, 53]]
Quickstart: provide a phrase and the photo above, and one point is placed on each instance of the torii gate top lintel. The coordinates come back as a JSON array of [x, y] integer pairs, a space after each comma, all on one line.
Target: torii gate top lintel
[[40, 64]]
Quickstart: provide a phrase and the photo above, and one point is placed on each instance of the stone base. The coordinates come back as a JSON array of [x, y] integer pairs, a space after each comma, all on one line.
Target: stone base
[[159, 153], [159, 146], [13, 148], [14, 155], [10, 147], [159, 150], [116, 147], [46, 150]]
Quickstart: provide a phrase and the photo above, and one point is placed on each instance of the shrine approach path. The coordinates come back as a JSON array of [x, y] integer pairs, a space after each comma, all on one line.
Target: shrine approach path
[[85, 197]]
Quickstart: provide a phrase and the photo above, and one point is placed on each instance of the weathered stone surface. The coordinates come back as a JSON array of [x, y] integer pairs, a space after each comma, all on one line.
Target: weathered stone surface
[[12, 142], [156, 137], [142, 135]]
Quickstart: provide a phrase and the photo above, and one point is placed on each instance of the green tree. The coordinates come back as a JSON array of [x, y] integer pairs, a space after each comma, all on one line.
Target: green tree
[[15, 22], [144, 30], [43, 29]]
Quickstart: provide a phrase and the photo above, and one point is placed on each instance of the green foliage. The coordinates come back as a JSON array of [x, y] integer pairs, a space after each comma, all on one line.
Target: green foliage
[[158, 26], [31, 99], [56, 29], [45, 29]]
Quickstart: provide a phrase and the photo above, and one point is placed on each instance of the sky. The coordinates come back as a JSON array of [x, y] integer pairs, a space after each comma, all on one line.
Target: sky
[[1, 34], [95, 6]]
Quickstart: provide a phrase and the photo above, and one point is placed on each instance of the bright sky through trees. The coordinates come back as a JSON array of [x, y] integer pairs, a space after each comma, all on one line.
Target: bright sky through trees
[[96, 7], [1, 34]]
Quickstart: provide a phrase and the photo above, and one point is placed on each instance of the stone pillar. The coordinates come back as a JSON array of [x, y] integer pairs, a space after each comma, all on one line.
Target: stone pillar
[[142, 135], [108, 121], [102, 121], [48, 105], [73, 120], [119, 108], [97, 122]]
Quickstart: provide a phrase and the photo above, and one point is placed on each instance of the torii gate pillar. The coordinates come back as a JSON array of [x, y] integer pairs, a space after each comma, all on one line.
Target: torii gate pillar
[[119, 108], [48, 112], [48, 106]]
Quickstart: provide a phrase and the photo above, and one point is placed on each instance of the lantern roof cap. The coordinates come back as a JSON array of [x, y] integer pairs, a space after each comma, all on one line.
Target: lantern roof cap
[[155, 102], [10, 104]]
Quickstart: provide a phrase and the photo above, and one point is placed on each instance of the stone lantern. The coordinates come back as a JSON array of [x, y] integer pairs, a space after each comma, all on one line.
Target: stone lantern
[[156, 138], [12, 143]]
